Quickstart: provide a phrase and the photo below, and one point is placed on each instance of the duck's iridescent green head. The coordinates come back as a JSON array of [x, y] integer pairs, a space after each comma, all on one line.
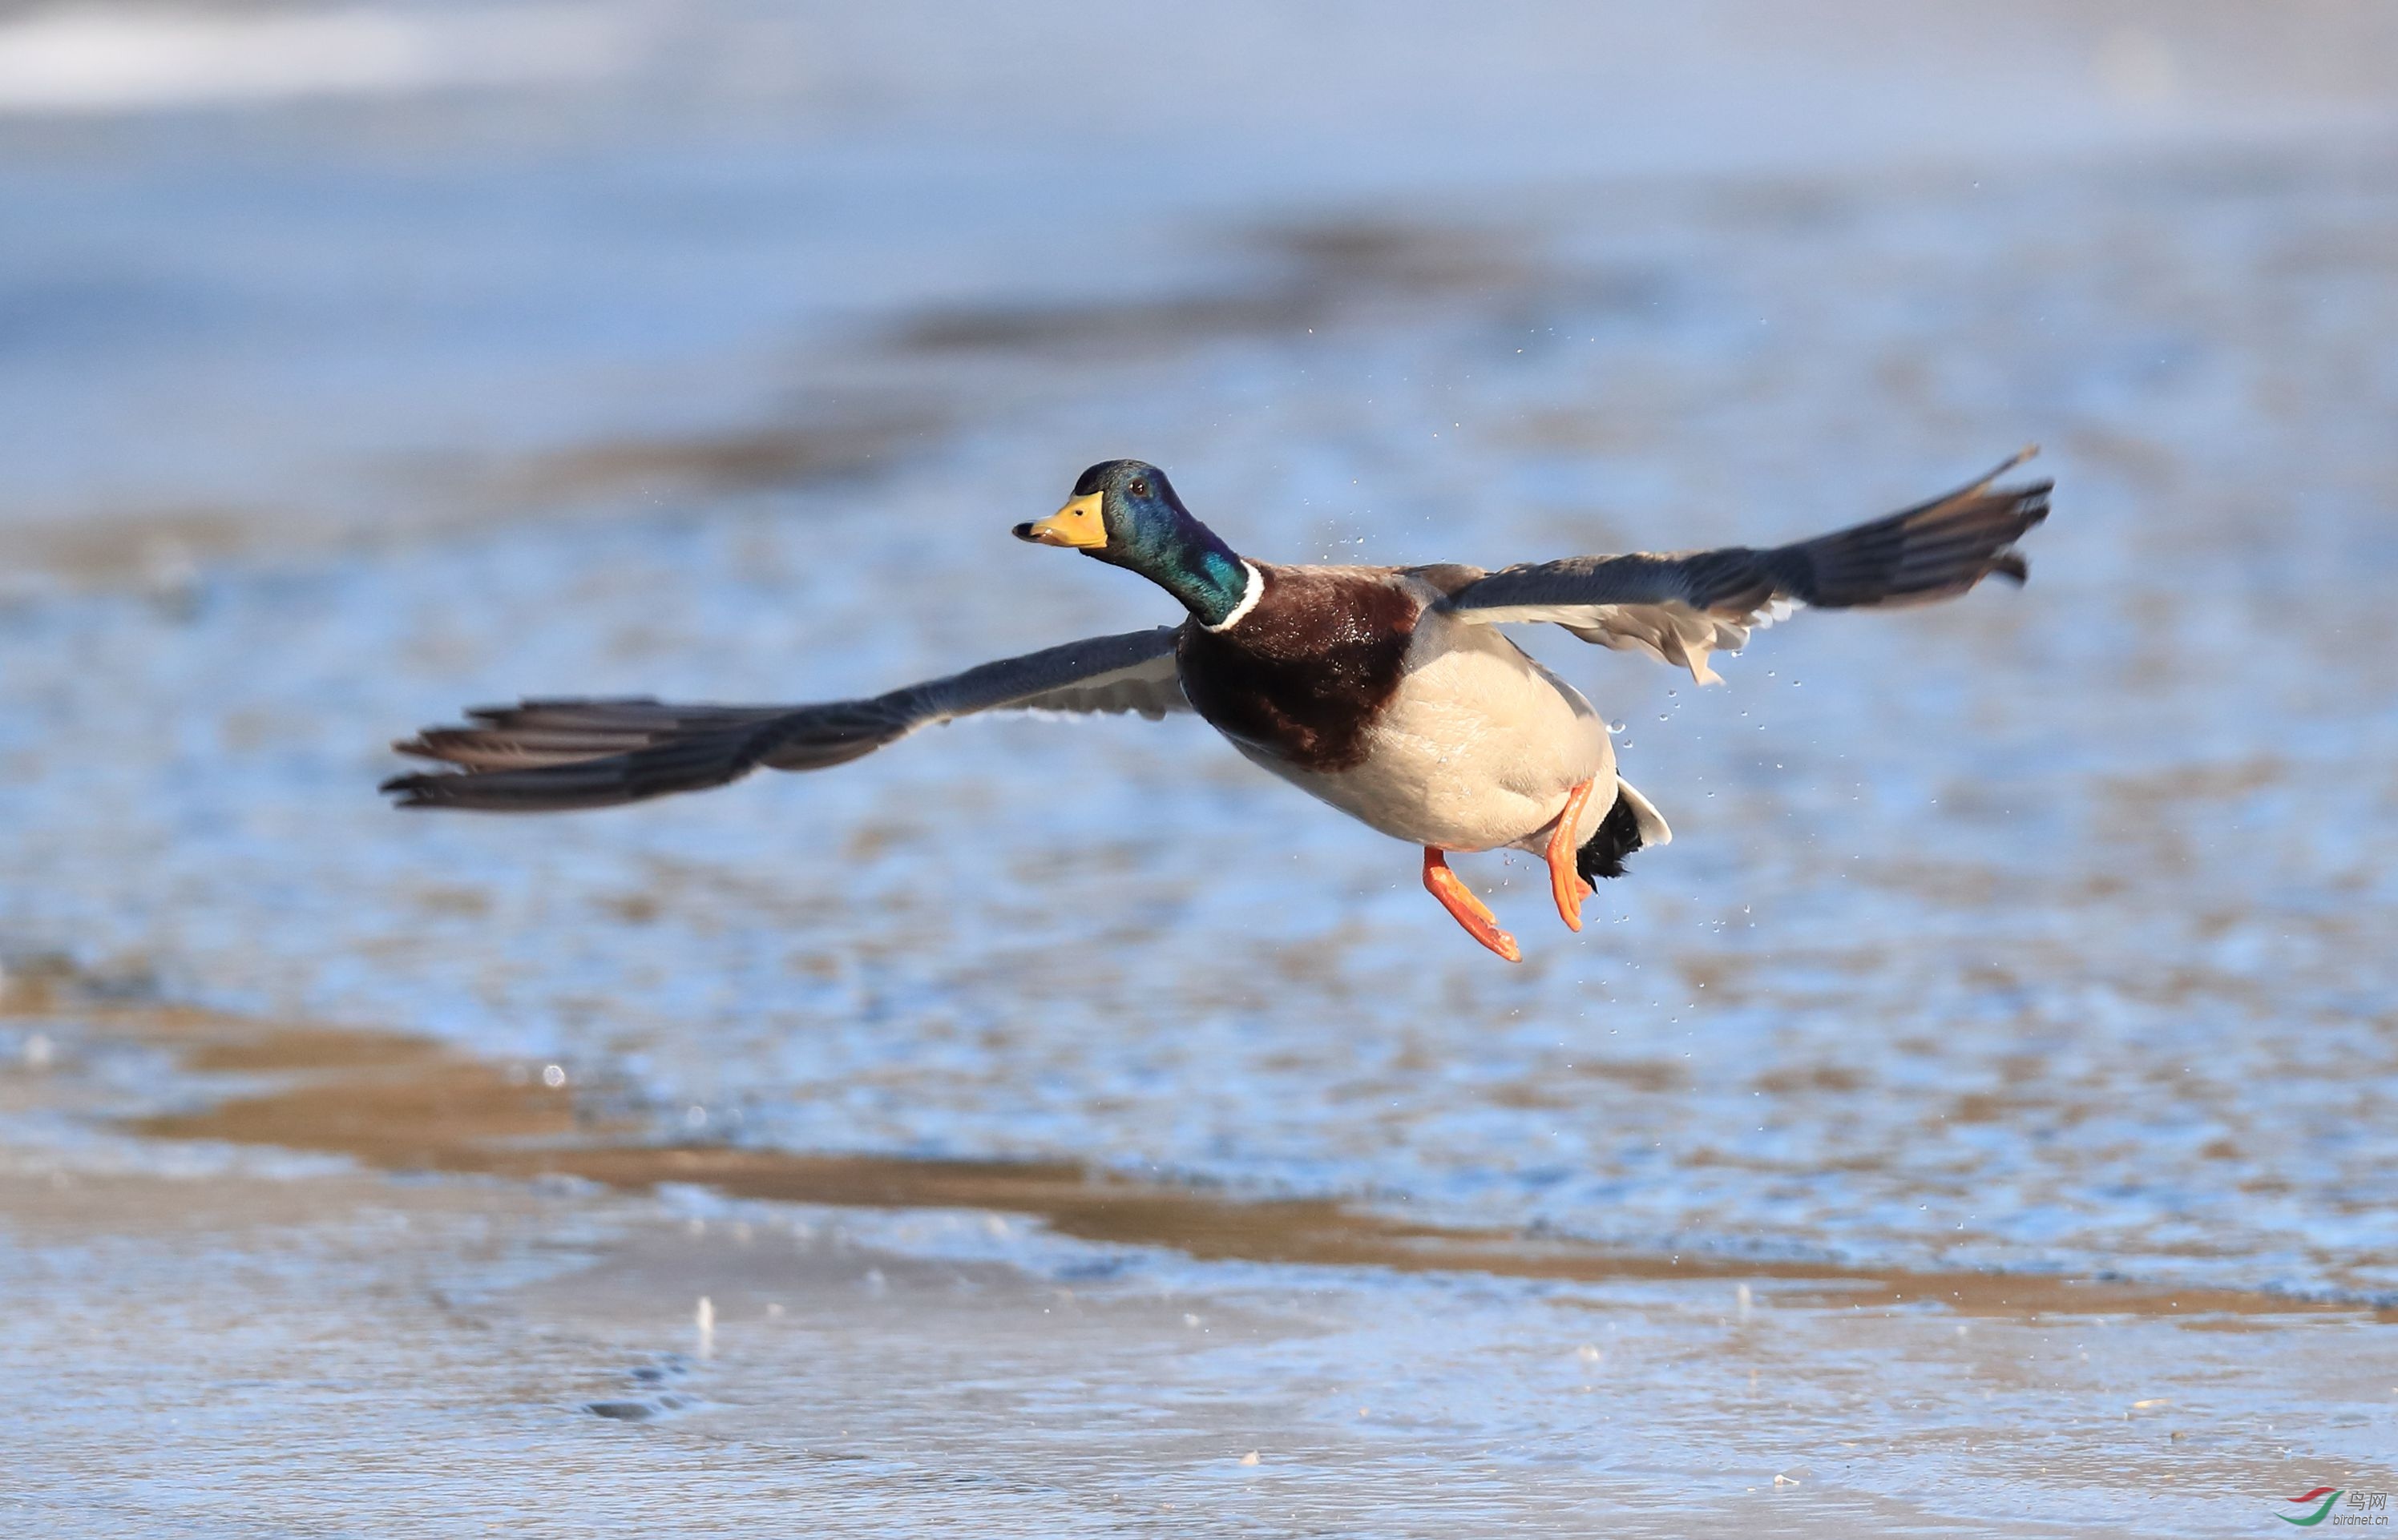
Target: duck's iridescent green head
[[1125, 513]]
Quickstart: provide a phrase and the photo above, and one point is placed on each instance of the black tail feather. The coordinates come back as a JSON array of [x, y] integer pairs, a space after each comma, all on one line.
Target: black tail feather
[[1618, 835]]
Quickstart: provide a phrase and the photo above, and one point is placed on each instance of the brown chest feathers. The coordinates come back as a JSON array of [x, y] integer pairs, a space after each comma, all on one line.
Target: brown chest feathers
[[1303, 674]]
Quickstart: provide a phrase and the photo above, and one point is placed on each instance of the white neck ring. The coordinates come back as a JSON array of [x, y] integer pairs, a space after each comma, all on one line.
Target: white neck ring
[[1249, 598]]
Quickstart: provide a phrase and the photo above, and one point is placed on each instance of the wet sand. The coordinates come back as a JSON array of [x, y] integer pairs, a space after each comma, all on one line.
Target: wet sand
[[410, 1105], [712, 1338]]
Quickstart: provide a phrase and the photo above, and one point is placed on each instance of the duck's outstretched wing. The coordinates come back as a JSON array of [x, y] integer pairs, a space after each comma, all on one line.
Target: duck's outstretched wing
[[1680, 607], [548, 755]]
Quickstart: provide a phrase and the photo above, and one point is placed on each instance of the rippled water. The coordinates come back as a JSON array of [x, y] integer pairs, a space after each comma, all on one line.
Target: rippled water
[[2048, 932]]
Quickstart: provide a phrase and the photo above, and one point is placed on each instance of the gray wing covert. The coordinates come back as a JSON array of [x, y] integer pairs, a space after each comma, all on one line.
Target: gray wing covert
[[1678, 607]]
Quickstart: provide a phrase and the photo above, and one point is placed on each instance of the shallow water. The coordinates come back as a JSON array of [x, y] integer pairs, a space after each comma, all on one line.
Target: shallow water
[[2044, 934]]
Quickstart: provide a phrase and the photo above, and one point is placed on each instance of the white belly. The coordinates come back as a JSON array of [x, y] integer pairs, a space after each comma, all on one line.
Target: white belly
[[1477, 751]]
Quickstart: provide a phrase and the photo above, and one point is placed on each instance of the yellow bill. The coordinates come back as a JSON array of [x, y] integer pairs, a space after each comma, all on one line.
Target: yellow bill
[[1079, 525]]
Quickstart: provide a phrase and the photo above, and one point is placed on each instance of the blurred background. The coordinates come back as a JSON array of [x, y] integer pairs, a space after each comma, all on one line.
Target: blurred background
[[359, 362]]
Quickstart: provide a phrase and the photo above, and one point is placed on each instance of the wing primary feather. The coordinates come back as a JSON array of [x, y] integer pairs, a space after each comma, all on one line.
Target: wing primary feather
[[561, 753]]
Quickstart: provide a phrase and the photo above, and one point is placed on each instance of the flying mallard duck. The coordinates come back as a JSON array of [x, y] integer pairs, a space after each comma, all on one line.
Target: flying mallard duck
[[1388, 691]]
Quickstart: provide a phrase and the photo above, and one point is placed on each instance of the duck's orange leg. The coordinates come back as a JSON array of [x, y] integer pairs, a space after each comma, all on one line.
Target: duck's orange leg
[[1566, 882], [1464, 908]]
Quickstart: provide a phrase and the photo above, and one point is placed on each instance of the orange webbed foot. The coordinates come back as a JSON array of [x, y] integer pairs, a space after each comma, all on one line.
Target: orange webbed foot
[[1564, 881], [1464, 908]]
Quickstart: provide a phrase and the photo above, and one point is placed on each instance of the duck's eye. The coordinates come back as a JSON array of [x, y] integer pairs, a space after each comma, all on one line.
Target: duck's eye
[[1139, 488]]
